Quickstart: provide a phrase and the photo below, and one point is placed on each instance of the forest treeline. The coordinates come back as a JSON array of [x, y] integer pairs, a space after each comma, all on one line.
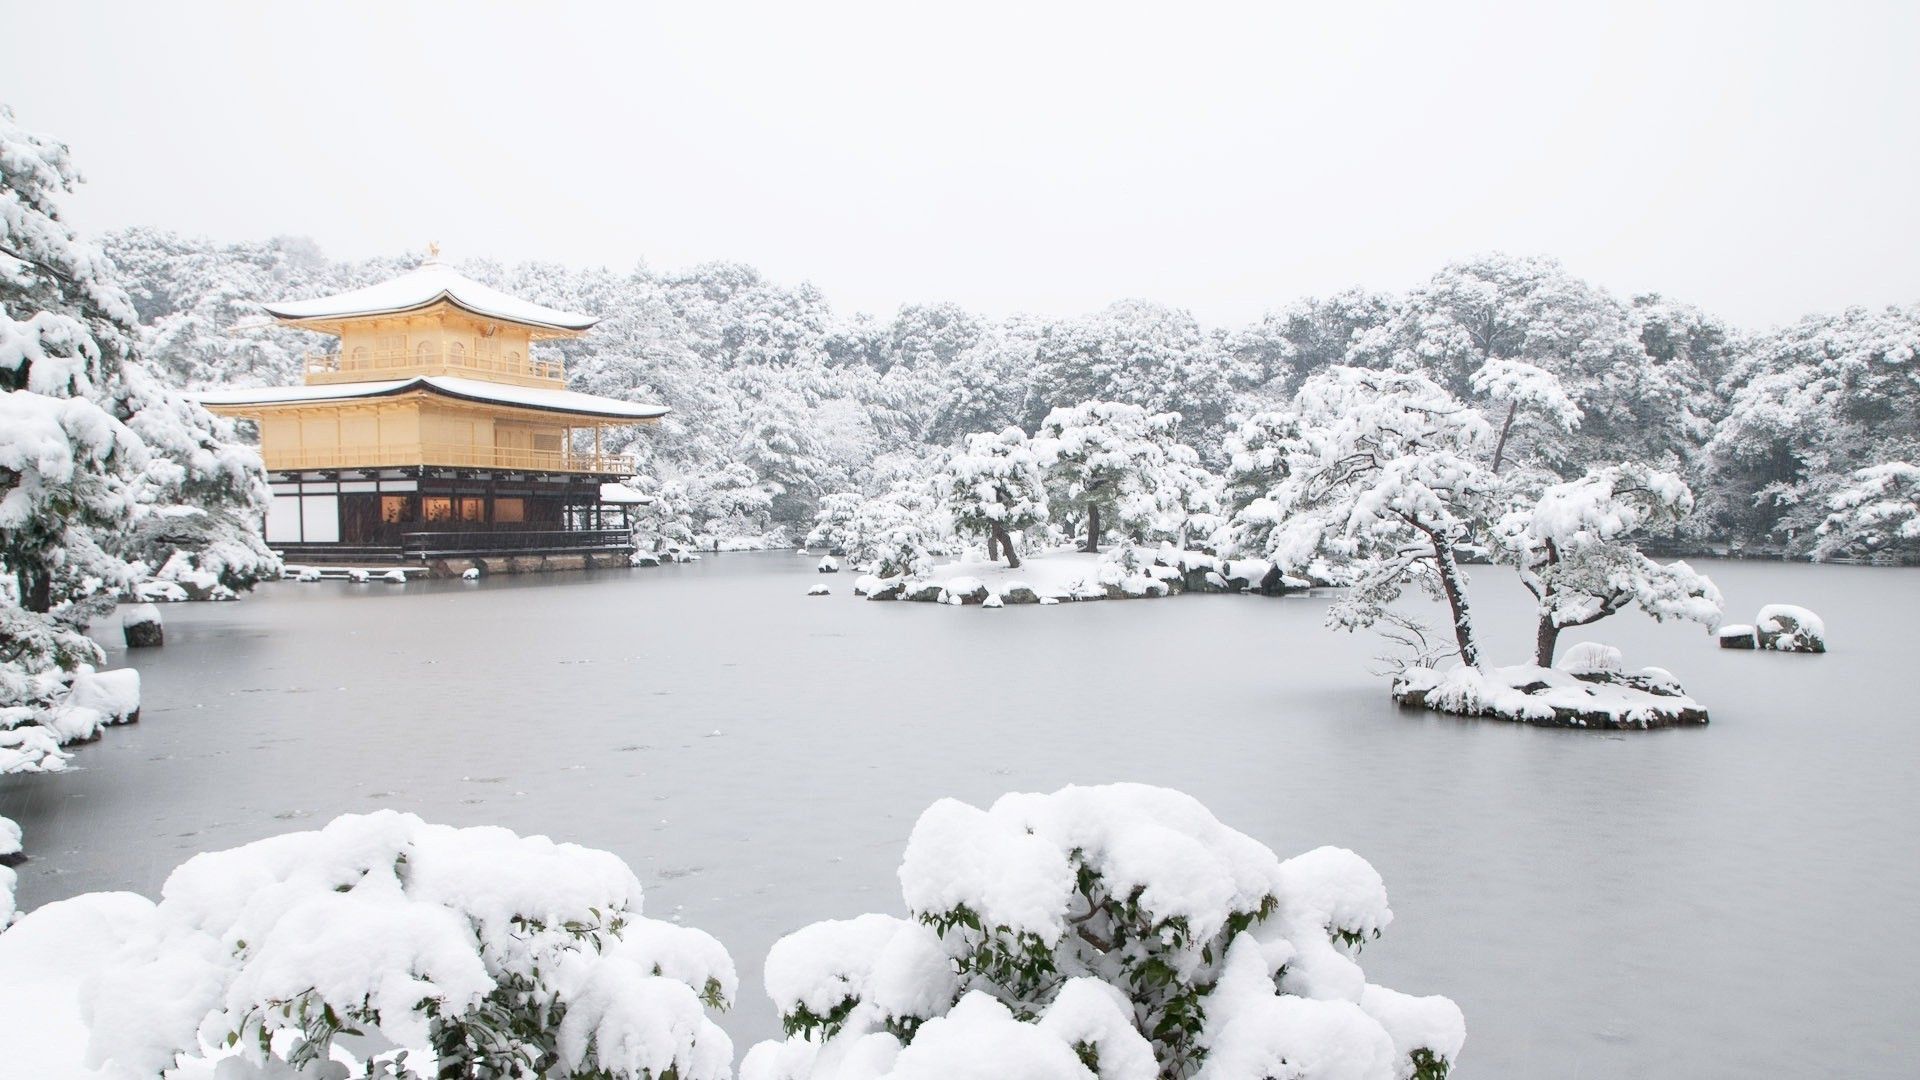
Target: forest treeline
[[779, 399]]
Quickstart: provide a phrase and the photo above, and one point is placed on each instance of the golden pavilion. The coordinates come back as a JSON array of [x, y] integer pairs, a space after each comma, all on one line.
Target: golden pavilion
[[432, 433]]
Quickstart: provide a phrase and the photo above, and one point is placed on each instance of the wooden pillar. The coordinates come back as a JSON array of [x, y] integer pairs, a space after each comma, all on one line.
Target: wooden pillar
[[596, 446]]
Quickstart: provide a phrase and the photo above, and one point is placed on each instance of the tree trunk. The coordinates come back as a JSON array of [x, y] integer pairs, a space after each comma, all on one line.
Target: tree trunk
[[1093, 531], [1456, 592], [36, 591], [993, 543], [1500, 448], [999, 535], [1545, 640]]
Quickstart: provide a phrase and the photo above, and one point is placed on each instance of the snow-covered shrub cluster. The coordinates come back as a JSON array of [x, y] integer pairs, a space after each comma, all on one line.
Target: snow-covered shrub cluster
[[1119, 932], [439, 952]]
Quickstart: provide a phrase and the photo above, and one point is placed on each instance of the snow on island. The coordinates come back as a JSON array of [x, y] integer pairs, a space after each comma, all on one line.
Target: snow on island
[[1071, 575], [1587, 690]]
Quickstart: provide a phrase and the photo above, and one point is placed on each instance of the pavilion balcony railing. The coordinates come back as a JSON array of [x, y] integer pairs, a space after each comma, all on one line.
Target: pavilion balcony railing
[[365, 365], [451, 542], [452, 455]]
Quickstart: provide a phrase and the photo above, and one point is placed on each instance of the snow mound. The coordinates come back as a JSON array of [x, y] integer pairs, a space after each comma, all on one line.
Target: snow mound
[[1590, 658], [819, 590], [471, 573], [395, 577], [828, 565], [114, 694]]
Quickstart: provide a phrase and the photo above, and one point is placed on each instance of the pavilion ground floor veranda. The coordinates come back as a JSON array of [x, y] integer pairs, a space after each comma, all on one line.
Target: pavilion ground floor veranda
[[423, 513]]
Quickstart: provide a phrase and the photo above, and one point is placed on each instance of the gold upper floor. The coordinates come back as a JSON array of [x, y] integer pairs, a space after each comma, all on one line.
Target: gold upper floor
[[443, 340]]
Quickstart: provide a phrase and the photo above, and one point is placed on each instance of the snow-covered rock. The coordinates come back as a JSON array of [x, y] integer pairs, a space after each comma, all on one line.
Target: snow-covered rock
[[358, 576], [471, 573], [643, 558], [828, 566], [993, 600], [1737, 636], [114, 694], [142, 627], [304, 573], [395, 577], [1789, 628], [164, 592], [819, 590]]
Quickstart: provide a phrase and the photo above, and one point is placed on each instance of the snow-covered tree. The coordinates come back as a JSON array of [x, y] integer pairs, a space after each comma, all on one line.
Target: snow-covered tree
[[106, 474], [1877, 514], [1119, 933], [1531, 310], [1120, 467], [834, 522], [1576, 547], [899, 532], [498, 955], [1287, 346], [1519, 385], [1139, 353], [1814, 402], [997, 486], [1387, 481]]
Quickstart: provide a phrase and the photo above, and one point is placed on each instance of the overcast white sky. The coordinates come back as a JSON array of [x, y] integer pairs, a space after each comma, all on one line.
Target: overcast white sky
[[1759, 160]]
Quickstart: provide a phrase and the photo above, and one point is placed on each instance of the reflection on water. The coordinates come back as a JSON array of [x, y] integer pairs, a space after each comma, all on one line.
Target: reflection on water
[[1730, 901]]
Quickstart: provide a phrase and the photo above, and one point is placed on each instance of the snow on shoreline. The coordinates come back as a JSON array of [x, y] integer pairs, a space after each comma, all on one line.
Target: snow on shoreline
[[1070, 575]]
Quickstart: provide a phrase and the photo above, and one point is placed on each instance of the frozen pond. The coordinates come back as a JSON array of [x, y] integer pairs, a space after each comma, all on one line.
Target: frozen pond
[[1738, 900]]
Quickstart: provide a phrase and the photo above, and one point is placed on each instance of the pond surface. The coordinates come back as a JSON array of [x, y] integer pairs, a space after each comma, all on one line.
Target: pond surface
[[1739, 900]]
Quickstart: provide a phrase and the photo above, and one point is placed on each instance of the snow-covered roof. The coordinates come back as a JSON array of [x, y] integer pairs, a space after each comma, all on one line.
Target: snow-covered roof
[[429, 284], [621, 494], [491, 393]]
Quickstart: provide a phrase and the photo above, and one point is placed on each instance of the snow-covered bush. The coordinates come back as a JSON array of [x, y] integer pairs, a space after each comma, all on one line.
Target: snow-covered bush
[[997, 487], [477, 952], [1118, 932]]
